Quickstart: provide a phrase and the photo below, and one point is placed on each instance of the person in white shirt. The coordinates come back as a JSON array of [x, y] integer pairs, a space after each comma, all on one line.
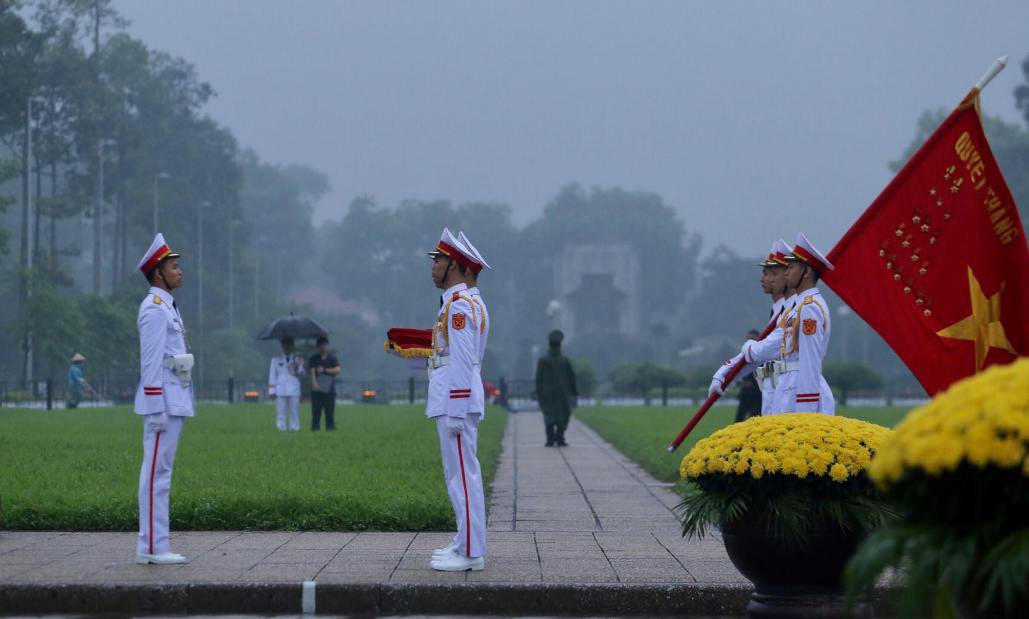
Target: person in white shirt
[[455, 400], [284, 386], [164, 398], [799, 346], [773, 283]]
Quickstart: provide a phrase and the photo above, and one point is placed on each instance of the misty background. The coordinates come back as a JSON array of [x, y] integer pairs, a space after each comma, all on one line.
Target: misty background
[[629, 160]]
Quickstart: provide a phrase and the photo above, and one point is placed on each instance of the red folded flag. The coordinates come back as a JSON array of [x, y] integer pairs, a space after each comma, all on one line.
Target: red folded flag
[[938, 264], [409, 343]]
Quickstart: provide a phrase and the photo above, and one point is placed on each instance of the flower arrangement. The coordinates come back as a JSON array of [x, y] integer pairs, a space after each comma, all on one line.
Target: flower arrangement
[[801, 471], [957, 469]]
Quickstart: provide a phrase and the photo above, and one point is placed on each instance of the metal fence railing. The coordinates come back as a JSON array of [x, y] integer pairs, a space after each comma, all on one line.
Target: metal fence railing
[[53, 393]]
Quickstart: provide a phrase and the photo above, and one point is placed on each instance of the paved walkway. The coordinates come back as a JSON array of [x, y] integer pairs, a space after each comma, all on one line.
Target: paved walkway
[[580, 515]]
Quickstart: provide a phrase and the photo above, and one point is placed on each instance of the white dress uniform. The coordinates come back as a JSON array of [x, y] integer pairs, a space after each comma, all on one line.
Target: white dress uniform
[[284, 383], [798, 347], [165, 393], [763, 372], [455, 392]]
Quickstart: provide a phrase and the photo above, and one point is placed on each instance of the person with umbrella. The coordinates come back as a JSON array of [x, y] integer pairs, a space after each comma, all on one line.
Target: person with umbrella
[[284, 385], [288, 368]]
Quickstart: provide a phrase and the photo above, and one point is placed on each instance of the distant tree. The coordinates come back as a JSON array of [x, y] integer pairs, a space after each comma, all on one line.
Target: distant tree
[[698, 375], [1022, 91], [847, 377], [728, 299], [585, 378], [1008, 141], [640, 378], [609, 215]]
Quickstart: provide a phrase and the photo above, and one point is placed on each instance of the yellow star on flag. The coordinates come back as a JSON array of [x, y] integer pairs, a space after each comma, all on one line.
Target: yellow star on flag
[[983, 326]]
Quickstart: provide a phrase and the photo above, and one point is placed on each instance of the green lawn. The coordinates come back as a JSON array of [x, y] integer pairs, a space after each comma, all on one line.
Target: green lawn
[[78, 470], [643, 434]]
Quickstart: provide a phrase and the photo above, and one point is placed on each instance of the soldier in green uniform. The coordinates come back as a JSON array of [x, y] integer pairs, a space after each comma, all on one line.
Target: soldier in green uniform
[[555, 390]]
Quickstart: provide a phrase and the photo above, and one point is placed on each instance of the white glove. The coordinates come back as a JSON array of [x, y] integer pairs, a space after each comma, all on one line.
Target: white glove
[[158, 422], [455, 425], [715, 387]]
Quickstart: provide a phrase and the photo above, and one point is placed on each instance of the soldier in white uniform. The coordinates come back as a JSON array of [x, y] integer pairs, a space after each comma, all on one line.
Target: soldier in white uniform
[[773, 283], [284, 386], [799, 346], [164, 397], [455, 399]]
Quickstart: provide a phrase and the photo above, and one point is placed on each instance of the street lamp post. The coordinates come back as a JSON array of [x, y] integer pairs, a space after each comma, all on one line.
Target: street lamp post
[[200, 264], [157, 178], [98, 222], [232, 274]]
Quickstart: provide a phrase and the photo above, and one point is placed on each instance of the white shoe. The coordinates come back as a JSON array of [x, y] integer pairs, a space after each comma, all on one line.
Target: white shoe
[[443, 553], [454, 563], [165, 558]]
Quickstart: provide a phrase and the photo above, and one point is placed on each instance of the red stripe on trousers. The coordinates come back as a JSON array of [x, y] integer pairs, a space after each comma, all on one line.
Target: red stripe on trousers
[[153, 469], [467, 510]]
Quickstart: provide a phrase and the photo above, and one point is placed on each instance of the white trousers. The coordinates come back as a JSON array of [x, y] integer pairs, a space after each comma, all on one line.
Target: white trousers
[[767, 395], [464, 484], [155, 486], [287, 405], [785, 398]]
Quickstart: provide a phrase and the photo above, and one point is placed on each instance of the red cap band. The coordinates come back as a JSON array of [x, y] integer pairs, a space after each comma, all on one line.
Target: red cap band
[[458, 256], [158, 256], [809, 258]]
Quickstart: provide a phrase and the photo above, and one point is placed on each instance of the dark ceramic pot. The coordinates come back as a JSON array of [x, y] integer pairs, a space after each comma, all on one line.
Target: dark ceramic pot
[[793, 578]]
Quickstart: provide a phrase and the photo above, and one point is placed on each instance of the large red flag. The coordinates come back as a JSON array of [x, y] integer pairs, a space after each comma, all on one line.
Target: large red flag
[[938, 264]]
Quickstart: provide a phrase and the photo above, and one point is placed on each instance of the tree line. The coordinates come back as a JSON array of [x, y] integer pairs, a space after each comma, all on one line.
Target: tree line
[[103, 141], [101, 134]]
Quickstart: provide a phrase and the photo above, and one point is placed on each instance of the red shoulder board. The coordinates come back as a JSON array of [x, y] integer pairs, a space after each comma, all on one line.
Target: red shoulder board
[[457, 295]]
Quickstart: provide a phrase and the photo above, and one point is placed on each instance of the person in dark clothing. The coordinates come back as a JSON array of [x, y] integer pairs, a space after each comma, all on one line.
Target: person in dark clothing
[[555, 390], [750, 392], [324, 370]]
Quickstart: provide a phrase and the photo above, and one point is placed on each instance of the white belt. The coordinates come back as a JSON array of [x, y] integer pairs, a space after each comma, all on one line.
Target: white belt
[[438, 362], [763, 371], [784, 367]]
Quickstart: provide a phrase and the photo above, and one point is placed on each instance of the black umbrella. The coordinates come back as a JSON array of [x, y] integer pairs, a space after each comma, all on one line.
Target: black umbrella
[[292, 326]]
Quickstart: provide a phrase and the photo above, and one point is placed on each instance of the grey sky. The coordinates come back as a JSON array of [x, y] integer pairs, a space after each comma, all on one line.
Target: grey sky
[[754, 119]]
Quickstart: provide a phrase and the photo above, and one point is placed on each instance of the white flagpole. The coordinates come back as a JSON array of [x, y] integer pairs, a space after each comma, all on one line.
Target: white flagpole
[[997, 67]]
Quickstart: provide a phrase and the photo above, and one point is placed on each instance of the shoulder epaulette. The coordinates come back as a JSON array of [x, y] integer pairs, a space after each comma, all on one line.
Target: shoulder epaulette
[[157, 300]]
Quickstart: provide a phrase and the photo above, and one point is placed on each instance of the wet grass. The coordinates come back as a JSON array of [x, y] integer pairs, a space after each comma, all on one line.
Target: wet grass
[[78, 470]]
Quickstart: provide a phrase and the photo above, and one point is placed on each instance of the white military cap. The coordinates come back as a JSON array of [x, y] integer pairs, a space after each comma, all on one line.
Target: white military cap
[[157, 252], [805, 252], [776, 255], [475, 252], [450, 246]]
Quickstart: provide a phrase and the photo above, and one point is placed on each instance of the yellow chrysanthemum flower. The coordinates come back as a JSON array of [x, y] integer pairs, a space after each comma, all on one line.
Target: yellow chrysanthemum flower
[[983, 420], [797, 444]]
